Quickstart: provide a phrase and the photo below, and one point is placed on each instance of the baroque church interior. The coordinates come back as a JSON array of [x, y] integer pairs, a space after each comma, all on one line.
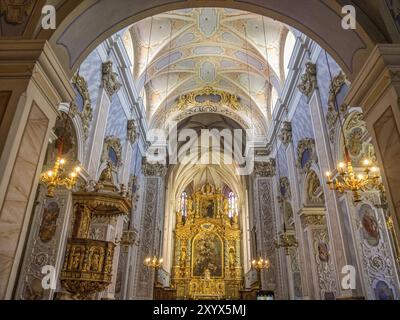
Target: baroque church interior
[[199, 150]]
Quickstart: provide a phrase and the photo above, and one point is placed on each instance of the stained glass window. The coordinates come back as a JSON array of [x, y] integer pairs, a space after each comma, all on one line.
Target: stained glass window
[[232, 205], [183, 204]]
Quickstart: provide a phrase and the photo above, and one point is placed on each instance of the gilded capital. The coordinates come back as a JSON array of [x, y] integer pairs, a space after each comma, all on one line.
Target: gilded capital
[[109, 78], [153, 169], [309, 220], [308, 80], [132, 133], [286, 133], [265, 169]]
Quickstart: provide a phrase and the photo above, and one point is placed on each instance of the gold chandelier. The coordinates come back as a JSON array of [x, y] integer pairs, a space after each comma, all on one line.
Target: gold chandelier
[[261, 264], [153, 263], [58, 176], [348, 181]]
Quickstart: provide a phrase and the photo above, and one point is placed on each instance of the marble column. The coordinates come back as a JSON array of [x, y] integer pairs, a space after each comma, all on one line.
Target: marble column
[[46, 245], [109, 87], [264, 200], [32, 86], [285, 274], [152, 207], [296, 205], [98, 131], [376, 90], [326, 163], [319, 263]]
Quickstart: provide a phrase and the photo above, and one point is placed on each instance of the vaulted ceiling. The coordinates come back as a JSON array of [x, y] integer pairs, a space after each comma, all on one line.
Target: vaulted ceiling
[[186, 50]]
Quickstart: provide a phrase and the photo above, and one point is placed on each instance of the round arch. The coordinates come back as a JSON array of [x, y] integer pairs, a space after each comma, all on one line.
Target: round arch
[[350, 48], [185, 173]]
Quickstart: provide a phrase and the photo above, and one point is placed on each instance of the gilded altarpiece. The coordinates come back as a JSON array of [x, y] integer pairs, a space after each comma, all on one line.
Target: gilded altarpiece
[[207, 260]]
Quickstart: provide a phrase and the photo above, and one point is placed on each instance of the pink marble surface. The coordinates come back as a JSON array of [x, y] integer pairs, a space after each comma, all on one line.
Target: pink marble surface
[[19, 190]]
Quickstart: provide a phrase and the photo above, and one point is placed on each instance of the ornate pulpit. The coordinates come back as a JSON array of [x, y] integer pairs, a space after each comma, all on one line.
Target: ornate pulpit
[[88, 262]]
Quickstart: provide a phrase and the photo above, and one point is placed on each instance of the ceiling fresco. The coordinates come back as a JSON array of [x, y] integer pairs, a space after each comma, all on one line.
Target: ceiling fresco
[[230, 50]]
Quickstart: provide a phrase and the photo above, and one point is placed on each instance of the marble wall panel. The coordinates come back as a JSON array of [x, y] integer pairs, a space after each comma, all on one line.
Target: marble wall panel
[[19, 191]]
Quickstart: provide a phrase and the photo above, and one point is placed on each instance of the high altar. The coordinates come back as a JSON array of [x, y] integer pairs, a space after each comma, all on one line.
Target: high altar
[[207, 261]]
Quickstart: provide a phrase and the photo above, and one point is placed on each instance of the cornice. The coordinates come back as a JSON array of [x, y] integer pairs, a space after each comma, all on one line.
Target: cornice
[[380, 70]]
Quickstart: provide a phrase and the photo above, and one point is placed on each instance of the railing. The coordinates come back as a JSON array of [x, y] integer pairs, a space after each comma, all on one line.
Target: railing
[[87, 266]]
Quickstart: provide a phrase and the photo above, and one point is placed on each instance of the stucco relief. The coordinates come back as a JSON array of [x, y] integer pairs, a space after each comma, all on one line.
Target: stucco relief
[[144, 276], [44, 240], [324, 263], [377, 260], [109, 79], [308, 80], [266, 207], [314, 191], [83, 105]]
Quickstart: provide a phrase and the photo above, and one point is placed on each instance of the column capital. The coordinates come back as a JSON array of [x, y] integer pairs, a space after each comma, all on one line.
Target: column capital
[[312, 216], [285, 134], [153, 169], [381, 70], [265, 168], [132, 131], [109, 78], [308, 80]]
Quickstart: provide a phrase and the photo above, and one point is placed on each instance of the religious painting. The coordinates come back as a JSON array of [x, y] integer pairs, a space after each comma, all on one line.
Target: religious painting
[[323, 252], [67, 141], [355, 144], [207, 208], [48, 226], [305, 158], [383, 291], [207, 255], [370, 227], [112, 156]]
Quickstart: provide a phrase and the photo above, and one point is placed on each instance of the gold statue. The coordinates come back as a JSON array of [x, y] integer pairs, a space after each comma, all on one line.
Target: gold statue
[[232, 258], [182, 260], [106, 175], [76, 257], [94, 261], [108, 264]]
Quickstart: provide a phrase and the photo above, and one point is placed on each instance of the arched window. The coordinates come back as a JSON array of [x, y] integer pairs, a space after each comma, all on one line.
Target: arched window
[[288, 50], [232, 205], [183, 204]]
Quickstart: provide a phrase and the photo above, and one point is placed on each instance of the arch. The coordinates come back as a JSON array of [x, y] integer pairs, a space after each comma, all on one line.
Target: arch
[[178, 178], [79, 132], [349, 47], [244, 120]]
